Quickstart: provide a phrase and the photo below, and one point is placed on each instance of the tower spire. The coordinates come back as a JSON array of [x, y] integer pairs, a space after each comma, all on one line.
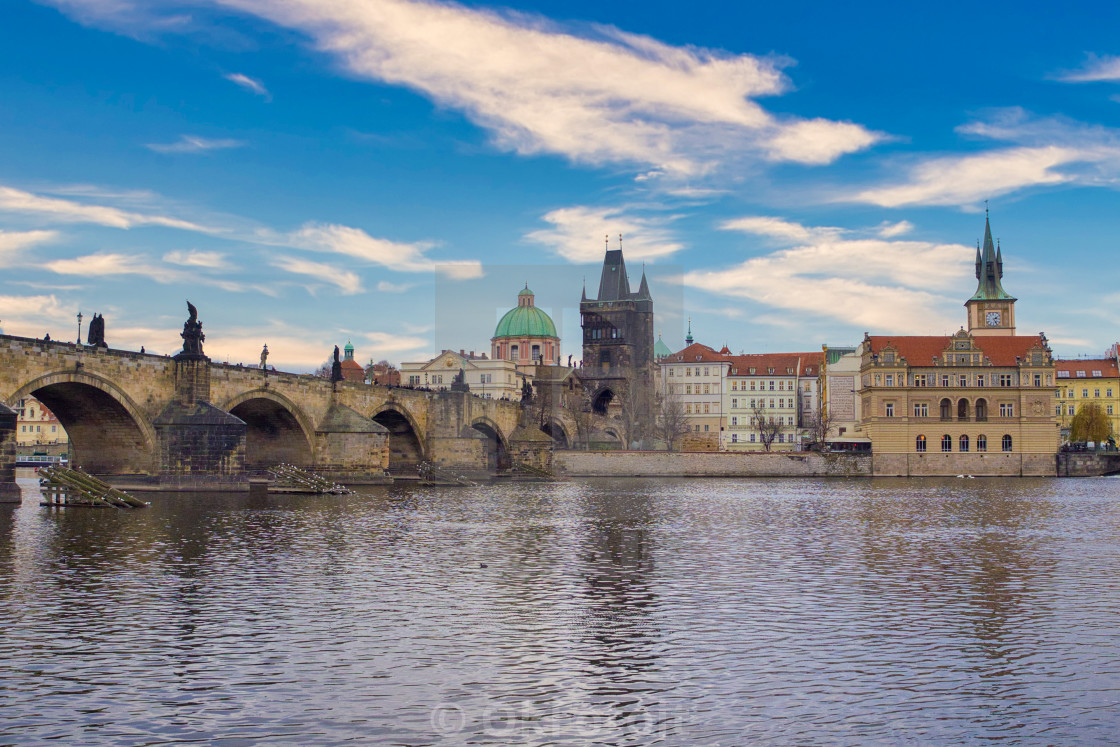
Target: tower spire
[[688, 339]]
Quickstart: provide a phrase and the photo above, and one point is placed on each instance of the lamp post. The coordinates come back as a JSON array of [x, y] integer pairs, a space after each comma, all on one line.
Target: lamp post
[[79, 328]]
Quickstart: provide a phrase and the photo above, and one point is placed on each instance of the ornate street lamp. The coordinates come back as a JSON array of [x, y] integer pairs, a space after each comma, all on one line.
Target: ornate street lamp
[[79, 328]]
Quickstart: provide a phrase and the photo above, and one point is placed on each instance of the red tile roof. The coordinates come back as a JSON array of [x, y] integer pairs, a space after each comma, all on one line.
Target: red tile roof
[[803, 364], [353, 371], [1107, 367], [920, 351], [696, 353]]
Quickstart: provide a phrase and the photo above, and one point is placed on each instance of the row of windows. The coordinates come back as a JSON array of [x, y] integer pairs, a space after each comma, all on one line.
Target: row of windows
[[36, 429], [921, 409], [783, 385], [779, 419], [700, 389], [688, 371], [955, 380], [1070, 409], [962, 443], [752, 438], [695, 409], [1072, 393], [753, 403]]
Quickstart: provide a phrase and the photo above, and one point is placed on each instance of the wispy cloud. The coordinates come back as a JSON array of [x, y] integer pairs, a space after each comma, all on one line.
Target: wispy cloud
[[1095, 69], [386, 287], [12, 243], [345, 280], [356, 243], [594, 94], [251, 84], [54, 209], [577, 234], [195, 144], [33, 316], [114, 264], [868, 282], [1043, 152], [195, 258]]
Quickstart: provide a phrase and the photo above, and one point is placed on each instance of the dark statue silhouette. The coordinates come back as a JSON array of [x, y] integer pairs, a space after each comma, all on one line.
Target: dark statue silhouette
[[336, 366], [96, 335], [192, 334]]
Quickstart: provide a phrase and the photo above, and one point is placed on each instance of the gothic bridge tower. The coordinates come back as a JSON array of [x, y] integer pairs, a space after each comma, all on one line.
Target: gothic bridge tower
[[618, 348]]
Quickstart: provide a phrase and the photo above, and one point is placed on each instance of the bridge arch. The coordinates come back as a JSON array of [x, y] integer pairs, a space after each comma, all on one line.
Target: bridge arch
[[497, 447], [406, 439], [109, 434], [558, 432], [276, 429]]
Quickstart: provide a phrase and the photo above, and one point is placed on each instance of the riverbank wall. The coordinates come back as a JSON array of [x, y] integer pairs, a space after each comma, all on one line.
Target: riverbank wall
[[708, 464]]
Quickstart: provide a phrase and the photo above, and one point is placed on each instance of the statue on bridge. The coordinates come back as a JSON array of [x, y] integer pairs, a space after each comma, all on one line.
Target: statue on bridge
[[192, 334], [96, 335], [459, 381], [336, 366], [264, 357]]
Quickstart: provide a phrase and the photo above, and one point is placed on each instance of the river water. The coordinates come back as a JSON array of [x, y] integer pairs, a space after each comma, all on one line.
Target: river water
[[614, 612]]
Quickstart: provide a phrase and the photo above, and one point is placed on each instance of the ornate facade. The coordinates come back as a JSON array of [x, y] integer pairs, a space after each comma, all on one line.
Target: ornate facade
[[978, 402]]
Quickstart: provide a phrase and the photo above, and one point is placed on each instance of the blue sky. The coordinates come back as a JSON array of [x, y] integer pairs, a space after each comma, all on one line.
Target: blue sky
[[392, 172]]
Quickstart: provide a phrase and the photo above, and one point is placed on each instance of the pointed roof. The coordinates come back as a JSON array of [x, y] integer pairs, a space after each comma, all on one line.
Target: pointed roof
[[614, 285], [643, 289], [688, 338], [660, 349], [989, 270]]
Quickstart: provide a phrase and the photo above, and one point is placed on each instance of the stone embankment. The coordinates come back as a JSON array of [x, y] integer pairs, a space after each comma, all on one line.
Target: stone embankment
[[708, 464]]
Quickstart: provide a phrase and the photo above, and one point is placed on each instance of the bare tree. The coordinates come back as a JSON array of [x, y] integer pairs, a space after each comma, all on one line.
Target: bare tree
[[820, 427], [671, 421], [768, 429]]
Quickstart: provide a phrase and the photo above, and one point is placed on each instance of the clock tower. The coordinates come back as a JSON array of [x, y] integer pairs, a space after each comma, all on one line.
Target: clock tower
[[991, 311]]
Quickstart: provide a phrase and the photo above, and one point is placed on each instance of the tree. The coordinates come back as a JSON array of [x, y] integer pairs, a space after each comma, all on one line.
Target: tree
[[768, 430], [820, 427], [1090, 424], [671, 421]]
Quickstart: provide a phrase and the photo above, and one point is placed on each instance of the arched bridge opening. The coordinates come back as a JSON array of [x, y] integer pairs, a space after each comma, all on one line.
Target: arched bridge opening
[[558, 434], [273, 434], [405, 449], [496, 451], [107, 435]]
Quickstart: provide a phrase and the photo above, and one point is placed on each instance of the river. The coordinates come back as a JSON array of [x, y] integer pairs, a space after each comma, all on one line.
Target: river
[[614, 612]]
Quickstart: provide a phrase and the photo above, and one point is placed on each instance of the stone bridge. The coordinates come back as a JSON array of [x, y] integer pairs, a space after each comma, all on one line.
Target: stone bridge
[[177, 421]]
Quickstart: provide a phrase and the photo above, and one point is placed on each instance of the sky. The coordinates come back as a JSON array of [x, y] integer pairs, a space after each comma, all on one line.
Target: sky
[[393, 172]]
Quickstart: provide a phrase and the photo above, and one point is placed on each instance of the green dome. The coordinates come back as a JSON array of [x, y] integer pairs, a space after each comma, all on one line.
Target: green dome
[[660, 349], [525, 321], [349, 347]]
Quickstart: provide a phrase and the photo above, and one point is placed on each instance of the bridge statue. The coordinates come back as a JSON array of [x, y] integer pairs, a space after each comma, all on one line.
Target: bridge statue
[[264, 357], [96, 335], [336, 366], [192, 334]]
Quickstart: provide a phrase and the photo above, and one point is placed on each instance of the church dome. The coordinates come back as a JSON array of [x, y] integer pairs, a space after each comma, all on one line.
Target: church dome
[[525, 320], [660, 349]]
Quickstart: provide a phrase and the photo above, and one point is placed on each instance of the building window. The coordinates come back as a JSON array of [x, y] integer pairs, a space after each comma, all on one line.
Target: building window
[[920, 443], [781, 438], [688, 372], [890, 379], [962, 380], [734, 403], [946, 408], [944, 379], [771, 385], [752, 386], [513, 351], [946, 442], [1096, 392], [734, 420], [981, 442], [697, 429], [705, 427], [705, 408], [707, 389], [921, 410], [1038, 379], [688, 388], [771, 404], [920, 380], [1069, 409], [688, 409], [1006, 410], [1007, 442], [752, 438], [1058, 410], [963, 444], [734, 438], [1005, 379], [890, 409], [1108, 393], [1108, 409], [705, 370]]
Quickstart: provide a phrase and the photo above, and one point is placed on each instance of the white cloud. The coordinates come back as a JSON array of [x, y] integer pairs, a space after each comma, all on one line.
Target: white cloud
[[103, 264], [34, 316], [195, 144], [964, 180], [345, 280], [869, 282], [890, 230], [195, 258], [1103, 68], [251, 84], [356, 243], [386, 287], [577, 234], [13, 242], [778, 228], [383, 344], [70, 211], [596, 95]]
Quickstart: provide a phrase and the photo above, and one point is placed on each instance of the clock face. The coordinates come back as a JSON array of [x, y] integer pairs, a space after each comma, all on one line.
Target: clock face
[[992, 318]]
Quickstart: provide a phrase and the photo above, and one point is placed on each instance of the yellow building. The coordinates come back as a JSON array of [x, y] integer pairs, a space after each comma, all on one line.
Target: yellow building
[[37, 426], [1081, 382], [978, 402]]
